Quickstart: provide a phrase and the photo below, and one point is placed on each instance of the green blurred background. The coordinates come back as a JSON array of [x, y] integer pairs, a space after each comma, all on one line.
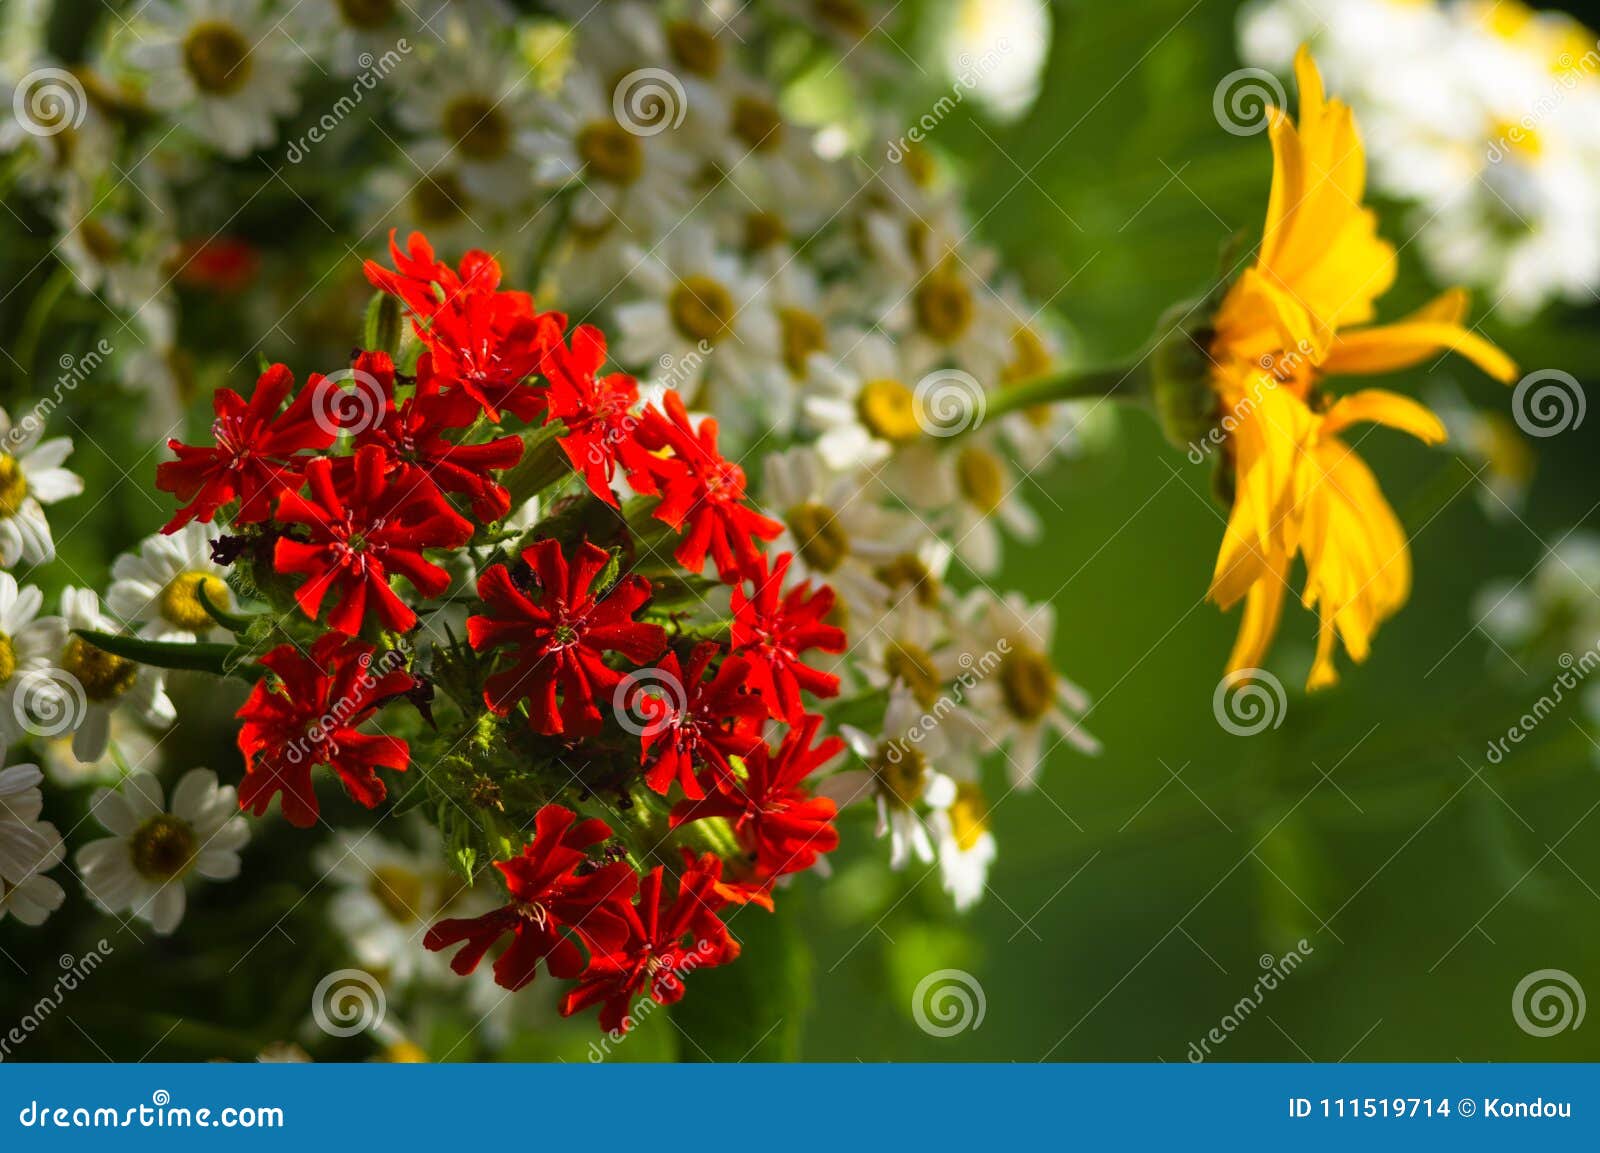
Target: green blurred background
[[1135, 892]]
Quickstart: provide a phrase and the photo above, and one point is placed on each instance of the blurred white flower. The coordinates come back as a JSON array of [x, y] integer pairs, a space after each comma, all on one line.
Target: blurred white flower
[[31, 477]]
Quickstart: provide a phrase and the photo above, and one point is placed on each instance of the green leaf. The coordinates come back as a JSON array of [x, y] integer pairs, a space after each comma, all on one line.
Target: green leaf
[[218, 659], [754, 1008], [383, 327]]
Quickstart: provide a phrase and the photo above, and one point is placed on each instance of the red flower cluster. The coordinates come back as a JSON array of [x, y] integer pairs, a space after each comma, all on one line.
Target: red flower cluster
[[368, 474]]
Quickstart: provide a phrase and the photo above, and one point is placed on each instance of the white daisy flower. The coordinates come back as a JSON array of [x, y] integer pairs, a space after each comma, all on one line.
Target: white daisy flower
[[159, 587], [352, 34], [700, 311], [103, 682], [29, 645], [966, 846], [837, 534], [1022, 697], [757, 133], [141, 867], [916, 576], [996, 50], [864, 407], [475, 106], [130, 747], [28, 848], [221, 67], [387, 896], [638, 179], [899, 777], [969, 488], [31, 477], [429, 193], [949, 314]]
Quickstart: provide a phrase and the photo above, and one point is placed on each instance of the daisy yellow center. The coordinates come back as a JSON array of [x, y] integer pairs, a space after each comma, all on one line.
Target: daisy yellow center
[[13, 485], [944, 305], [969, 816], [764, 230], [803, 334], [439, 199], [693, 47], [888, 409], [399, 891], [180, 600], [8, 659], [610, 152], [1029, 356], [907, 571], [847, 16], [757, 123], [702, 309], [821, 540], [217, 57], [366, 13], [912, 666], [900, 769], [1027, 682], [982, 480], [405, 1053], [480, 130], [100, 241], [104, 676], [918, 164], [1518, 139], [163, 847]]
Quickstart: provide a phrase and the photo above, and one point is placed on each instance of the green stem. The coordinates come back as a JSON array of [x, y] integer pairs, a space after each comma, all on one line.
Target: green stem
[[38, 313], [1117, 381]]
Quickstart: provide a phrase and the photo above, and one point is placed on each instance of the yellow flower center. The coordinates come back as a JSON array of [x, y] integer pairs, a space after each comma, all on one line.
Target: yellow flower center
[[405, 1053], [764, 230], [969, 816], [693, 47], [944, 305], [8, 659], [981, 478], [912, 665], [701, 308], [1029, 356], [217, 56], [100, 241], [399, 891], [1027, 682], [803, 334], [757, 123], [918, 164], [846, 16], [439, 199], [1517, 139], [104, 676], [610, 152], [888, 409], [366, 13], [818, 535], [478, 128], [163, 847], [907, 571], [13, 486], [900, 769], [180, 600]]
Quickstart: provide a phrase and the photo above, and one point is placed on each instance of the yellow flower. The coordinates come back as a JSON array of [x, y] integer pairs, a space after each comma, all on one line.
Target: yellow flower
[[1300, 314]]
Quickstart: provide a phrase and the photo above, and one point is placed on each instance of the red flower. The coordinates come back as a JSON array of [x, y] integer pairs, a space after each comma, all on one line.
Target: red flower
[[412, 435], [485, 342], [561, 638], [696, 723], [362, 531], [251, 458], [223, 263], [551, 902], [772, 629], [664, 945], [777, 820], [309, 717], [700, 488], [596, 411]]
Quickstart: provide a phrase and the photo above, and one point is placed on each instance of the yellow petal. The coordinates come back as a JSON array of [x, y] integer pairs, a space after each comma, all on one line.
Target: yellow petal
[[1433, 329], [1379, 406], [1262, 610]]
